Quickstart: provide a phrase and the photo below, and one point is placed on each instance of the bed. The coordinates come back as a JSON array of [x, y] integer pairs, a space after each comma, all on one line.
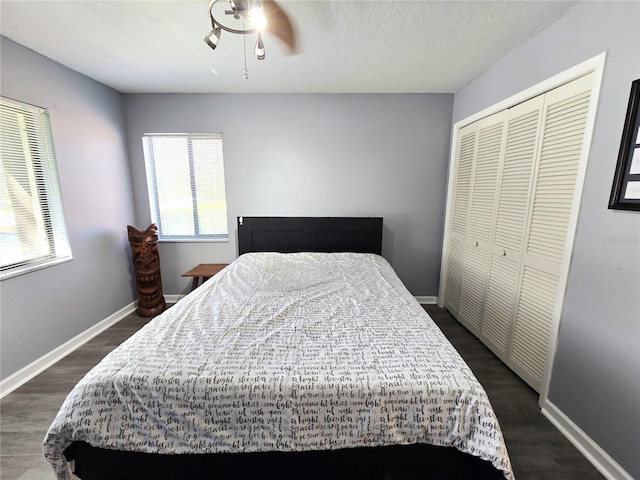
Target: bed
[[304, 358]]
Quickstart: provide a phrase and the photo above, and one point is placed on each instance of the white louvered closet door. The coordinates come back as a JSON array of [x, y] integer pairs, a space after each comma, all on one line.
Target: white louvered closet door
[[462, 188], [480, 220], [513, 204], [565, 116], [513, 195]]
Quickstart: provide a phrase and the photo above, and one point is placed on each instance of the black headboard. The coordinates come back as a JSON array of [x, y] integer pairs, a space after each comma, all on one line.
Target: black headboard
[[310, 234]]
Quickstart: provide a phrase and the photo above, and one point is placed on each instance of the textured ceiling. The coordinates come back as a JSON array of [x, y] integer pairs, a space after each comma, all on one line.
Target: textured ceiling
[[345, 46]]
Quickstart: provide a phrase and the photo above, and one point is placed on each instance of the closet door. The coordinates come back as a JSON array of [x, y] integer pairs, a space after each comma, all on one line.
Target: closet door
[[460, 212], [480, 221], [513, 205], [513, 195], [552, 204]]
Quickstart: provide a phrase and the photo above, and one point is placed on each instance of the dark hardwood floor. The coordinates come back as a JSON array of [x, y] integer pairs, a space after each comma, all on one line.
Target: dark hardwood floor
[[537, 450]]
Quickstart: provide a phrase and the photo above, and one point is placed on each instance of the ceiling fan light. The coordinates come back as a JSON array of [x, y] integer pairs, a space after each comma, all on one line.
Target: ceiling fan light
[[213, 37], [257, 16], [260, 52]]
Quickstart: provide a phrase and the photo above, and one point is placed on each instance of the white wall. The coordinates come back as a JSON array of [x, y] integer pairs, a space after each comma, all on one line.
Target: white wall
[[43, 309], [596, 375], [313, 155]]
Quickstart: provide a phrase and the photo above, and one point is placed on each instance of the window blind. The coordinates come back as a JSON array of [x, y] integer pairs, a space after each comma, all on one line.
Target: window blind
[[185, 179], [32, 224]]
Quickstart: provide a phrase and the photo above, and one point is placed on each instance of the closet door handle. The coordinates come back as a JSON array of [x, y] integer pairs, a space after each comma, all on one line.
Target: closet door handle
[[476, 243], [504, 253]]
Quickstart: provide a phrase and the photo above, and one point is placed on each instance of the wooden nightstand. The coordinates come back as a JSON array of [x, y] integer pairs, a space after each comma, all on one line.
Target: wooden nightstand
[[203, 271]]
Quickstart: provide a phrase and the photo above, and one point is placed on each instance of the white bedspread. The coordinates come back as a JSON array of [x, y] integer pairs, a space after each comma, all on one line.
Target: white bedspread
[[283, 352]]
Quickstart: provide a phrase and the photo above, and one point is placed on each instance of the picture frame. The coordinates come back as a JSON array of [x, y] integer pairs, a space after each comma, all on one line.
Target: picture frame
[[625, 192]]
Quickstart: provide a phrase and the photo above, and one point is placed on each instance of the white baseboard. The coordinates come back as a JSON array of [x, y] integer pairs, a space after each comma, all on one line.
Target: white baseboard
[[25, 374], [427, 300], [171, 299], [600, 459]]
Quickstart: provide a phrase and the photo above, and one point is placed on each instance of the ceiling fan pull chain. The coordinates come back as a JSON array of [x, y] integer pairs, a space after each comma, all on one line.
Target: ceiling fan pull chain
[[245, 73]]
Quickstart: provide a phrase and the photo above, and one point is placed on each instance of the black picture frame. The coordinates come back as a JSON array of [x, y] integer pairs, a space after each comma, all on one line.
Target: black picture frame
[[625, 193]]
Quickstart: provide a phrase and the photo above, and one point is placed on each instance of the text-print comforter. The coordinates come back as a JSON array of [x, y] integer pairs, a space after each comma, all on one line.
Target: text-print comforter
[[285, 352]]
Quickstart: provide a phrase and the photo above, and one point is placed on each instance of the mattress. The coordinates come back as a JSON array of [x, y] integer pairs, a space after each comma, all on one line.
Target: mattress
[[283, 352]]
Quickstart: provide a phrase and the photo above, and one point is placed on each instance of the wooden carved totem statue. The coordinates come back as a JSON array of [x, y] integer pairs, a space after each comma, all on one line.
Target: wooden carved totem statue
[[146, 263]]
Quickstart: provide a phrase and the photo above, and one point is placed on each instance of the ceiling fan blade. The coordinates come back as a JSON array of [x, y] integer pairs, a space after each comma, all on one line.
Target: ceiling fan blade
[[280, 25]]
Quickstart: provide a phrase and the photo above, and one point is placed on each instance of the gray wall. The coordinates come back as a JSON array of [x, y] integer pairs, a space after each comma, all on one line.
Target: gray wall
[[43, 309], [313, 155], [596, 375]]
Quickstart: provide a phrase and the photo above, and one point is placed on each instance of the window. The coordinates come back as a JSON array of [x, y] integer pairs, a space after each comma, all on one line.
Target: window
[[185, 178], [33, 233]]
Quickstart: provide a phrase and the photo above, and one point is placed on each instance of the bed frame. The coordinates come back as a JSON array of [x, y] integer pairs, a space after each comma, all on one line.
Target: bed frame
[[397, 462], [400, 462], [310, 234]]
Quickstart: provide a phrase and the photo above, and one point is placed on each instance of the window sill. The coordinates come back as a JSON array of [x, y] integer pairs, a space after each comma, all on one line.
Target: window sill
[[193, 240], [32, 268]]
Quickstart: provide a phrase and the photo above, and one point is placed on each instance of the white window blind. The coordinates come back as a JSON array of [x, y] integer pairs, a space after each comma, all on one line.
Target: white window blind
[[32, 225], [185, 179]]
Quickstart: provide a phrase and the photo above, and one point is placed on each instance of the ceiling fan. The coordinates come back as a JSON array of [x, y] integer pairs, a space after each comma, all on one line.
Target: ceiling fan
[[246, 17]]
